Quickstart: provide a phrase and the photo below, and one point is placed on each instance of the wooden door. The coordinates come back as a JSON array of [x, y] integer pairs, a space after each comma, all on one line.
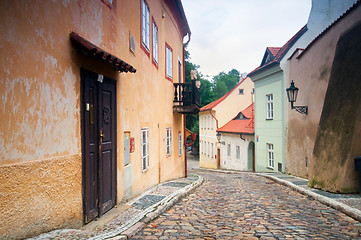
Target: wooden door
[[99, 144]]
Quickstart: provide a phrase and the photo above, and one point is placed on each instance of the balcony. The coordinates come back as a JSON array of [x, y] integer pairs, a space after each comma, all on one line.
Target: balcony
[[186, 98]]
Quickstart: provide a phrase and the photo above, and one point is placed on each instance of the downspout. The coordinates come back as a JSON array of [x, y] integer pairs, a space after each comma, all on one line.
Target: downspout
[[210, 111], [184, 117]]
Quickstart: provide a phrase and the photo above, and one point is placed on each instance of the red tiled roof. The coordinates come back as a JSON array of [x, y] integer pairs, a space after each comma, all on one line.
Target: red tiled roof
[[282, 51], [274, 50], [245, 126], [211, 105]]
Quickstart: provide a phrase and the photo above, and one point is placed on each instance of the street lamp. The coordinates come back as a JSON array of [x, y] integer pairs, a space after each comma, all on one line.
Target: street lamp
[[292, 92], [218, 137]]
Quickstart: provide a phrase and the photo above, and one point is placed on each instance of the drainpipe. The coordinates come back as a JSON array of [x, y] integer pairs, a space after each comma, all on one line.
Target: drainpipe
[[210, 111], [184, 116]]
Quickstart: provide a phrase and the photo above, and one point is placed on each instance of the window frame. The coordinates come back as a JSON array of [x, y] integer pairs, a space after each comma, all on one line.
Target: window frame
[[241, 91], [168, 62], [144, 26], [228, 150], [168, 141], [269, 104], [144, 154], [238, 152], [155, 44], [270, 155]]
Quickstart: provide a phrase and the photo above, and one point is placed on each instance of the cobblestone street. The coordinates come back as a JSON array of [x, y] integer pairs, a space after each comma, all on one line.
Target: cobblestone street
[[246, 206]]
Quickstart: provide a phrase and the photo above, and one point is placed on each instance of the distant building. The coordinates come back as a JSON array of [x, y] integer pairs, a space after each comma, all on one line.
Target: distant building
[[87, 117], [215, 115], [237, 142]]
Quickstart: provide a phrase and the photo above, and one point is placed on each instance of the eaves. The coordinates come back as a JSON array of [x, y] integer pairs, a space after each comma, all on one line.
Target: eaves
[[267, 71]]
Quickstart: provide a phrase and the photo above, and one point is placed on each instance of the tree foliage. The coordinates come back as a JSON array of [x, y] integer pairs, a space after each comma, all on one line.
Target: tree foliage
[[209, 91]]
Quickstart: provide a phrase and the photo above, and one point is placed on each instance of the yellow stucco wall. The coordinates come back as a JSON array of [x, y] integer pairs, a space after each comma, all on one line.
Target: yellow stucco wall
[[40, 119]]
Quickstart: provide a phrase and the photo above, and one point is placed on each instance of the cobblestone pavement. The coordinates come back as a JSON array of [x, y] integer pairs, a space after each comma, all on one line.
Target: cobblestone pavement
[[247, 206]]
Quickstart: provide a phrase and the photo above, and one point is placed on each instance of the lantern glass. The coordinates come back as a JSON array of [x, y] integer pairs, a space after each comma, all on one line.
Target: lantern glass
[[292, 92]]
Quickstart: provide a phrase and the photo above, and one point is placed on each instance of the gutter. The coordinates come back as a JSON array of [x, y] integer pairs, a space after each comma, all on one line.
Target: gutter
[[210, 111]]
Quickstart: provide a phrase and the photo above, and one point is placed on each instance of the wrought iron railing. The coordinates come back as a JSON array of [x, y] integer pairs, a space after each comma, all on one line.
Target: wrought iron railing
[[186, 94]]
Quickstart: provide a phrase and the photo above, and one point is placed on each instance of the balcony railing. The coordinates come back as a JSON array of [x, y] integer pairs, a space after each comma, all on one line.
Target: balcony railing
[[186, 98]]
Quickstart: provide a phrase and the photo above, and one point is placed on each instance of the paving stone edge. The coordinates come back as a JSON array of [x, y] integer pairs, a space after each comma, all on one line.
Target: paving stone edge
[[134, 225]]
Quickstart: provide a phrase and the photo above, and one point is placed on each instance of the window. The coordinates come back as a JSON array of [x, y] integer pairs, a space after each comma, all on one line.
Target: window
[[238, 152], [145, 148], [168, 62], [240, 91], [211, 149], [270, 155], [155, 43], [228, 150], [180, 143], [145, 26], [208, 122], [212, 123], [270, 106], [169, 141]]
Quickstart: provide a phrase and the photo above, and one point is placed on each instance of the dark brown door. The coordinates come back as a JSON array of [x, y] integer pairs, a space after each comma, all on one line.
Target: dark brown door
[[99, 144]]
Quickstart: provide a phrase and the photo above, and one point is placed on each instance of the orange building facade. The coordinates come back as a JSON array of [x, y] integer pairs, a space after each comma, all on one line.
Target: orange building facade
[[86, 117]]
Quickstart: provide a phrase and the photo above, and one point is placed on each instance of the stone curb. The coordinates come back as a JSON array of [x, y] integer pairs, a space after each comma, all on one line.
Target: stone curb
[[350, 211], [135, 224]]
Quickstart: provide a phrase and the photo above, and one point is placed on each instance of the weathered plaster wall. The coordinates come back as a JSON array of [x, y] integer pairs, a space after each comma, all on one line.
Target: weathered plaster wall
[[40, 100], [322, 14], [312, 80], [339, 133], [38, 196]]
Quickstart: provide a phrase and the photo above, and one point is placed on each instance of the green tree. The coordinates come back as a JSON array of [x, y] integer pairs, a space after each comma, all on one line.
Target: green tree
[[224, 83]]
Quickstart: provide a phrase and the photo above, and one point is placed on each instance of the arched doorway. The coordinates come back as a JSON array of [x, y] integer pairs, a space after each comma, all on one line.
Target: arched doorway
[[251, 156]]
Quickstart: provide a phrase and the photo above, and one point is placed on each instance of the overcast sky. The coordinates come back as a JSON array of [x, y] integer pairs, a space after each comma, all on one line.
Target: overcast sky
[[231, 34]]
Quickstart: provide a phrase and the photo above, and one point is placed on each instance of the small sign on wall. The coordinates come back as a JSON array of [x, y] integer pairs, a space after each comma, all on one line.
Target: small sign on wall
[[132, 145]]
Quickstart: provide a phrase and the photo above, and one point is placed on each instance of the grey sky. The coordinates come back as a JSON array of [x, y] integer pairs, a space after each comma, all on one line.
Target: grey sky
[[235, 33]]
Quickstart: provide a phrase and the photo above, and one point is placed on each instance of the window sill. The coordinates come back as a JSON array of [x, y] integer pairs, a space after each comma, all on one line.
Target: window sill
[[271, 168], [268, 119]]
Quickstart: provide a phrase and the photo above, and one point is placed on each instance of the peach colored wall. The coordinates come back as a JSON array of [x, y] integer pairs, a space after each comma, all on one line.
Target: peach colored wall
[[312, 80], [40, 98]]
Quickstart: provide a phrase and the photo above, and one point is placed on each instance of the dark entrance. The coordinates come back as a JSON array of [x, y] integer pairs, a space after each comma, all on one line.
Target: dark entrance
[[98, 107]]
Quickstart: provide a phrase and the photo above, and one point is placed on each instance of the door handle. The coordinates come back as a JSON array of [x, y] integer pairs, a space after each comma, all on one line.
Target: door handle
[[101, 136]]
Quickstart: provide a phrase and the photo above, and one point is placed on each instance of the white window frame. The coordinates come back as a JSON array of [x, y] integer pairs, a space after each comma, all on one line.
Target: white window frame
[[228, 149], [155, 42], [238, 152], [180, 143], [270, 155], [269, 98], [145, 28], [240, 91], [144, 139], [168, 62], [169, 141]]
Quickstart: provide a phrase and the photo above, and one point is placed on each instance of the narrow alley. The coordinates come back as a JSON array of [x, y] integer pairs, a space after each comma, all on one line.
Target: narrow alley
[[247, 206]]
